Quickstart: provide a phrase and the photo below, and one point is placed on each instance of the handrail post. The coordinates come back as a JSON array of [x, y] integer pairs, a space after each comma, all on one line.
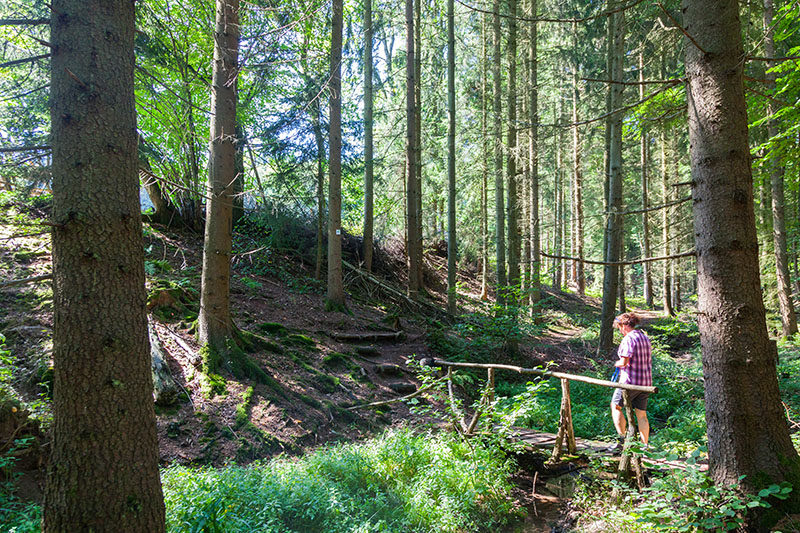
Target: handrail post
[[566, 433], [629, 461], [490, 384]]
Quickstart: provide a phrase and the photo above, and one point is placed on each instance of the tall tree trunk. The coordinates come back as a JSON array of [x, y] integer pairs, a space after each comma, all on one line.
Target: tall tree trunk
[[368, 144], [484, 167], [558, 197], [613, 228], [533, 156], [748, 433], [418, 137], [623, 305], [514, 243], [103, 471], [645, 163], [788, 318], [451, 159], [335, 298], [665, 225], [214, 322], [192, 218], [580, 275], [412, 194], [499, 193]]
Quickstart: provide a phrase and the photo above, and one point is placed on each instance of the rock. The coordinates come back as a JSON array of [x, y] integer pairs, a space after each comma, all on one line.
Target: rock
[[403, 387], [388, 370], [367, 351], [165, 390]]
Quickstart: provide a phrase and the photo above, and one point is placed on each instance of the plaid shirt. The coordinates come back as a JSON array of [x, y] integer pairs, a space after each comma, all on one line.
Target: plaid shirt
[[636, 347]]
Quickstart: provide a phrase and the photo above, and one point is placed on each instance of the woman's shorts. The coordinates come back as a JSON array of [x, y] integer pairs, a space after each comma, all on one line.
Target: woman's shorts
[[638, 399]]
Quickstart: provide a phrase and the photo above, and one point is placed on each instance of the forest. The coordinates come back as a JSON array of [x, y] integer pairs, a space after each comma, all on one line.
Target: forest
[[380, 266]]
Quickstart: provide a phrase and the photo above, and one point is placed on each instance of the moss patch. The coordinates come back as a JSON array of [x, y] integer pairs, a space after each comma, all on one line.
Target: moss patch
[[242, 410], [273, 328]]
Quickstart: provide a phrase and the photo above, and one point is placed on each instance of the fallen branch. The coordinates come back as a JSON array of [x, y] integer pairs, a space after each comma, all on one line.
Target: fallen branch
[[194, 358], [403, 398], [361, 337], [399, 294], [24, 281]]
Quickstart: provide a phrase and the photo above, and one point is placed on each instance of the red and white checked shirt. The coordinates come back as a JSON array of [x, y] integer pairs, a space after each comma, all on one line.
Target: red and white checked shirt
[[636, 346]]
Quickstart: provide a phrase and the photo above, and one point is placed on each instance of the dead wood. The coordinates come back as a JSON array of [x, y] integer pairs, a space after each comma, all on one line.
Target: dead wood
[[368, 337], [24, 281]]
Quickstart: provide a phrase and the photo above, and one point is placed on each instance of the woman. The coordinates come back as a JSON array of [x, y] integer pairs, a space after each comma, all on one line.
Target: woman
[[635, 368]]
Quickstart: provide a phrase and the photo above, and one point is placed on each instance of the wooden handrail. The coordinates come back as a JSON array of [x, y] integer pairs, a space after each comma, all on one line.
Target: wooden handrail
[[545, 373]]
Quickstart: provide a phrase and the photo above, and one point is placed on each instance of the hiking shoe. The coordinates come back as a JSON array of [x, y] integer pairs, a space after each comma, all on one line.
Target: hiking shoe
[[616, 448]]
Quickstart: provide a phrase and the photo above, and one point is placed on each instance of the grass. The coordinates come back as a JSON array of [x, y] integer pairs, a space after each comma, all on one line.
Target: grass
[[400, 481]]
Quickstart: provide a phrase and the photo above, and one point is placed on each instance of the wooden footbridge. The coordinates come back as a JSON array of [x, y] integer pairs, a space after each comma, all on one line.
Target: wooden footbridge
[[564, 441]]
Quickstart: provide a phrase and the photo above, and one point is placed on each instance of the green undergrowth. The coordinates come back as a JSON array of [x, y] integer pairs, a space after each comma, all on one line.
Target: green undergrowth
[[676, 501], [483, 337], [676, 412], [401, 481], [277, 233], [16, 515]]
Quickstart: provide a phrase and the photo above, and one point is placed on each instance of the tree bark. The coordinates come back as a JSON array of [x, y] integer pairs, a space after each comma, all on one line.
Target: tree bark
[[214, 322], [103, 472], [788, 317], [558, 193], [484, 167], [580, 275], [412, 193], [665, 226], [499, 193], [747, 429], [514, 243], [613, 233], [533, 156], [368, 144], [418, 137], [645, 163], [335, 296], [451, 160]]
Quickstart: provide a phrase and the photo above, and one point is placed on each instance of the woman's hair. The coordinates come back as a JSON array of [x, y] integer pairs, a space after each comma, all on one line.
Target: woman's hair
[[629, 319]]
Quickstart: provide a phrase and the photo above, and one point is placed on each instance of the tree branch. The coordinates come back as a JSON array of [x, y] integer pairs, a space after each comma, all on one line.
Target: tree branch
[[394, 400], [24, 281], [645, 82], [22, 61], [562, 21], [654, 208], [784, 58], [691, 253], [24, 148], [24, 22], [681, 28]]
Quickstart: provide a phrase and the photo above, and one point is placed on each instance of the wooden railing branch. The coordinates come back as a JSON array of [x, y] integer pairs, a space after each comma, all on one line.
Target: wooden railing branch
[[546, 373]]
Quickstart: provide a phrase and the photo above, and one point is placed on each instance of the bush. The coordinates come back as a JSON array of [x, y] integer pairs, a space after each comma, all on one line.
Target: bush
[[398, 482]]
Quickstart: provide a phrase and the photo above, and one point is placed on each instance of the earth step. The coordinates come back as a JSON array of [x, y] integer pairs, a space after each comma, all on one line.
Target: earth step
[[384, 336], [367, 351], [388, 369], [403, 387]]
